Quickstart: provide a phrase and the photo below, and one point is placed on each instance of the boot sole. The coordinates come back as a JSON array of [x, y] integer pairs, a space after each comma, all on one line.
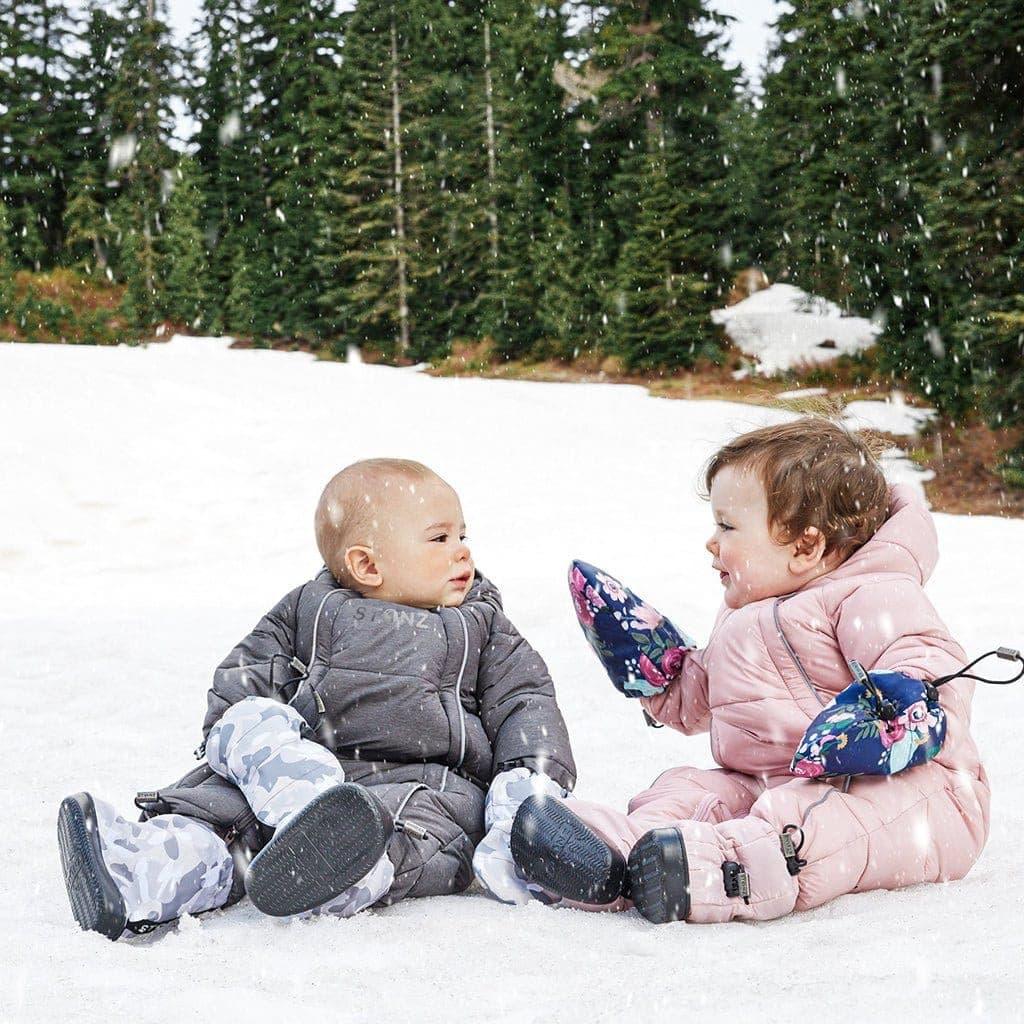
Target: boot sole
[[320, 852], [95, 899], [659, 876], [559, 852]]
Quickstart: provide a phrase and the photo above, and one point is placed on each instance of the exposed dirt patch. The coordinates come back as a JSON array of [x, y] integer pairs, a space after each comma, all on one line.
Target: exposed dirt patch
[[278, 345], [964, 460]]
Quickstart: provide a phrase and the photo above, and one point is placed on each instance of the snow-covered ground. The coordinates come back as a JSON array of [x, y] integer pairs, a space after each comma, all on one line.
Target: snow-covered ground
[[893, 415], [782, 326], [156, 501]]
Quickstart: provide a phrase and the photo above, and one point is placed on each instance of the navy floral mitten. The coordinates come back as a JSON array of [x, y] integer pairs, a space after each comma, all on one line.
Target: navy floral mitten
[[880, 724], [641, 650]]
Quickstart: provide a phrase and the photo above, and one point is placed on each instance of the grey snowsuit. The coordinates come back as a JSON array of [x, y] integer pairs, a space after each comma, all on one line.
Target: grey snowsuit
[[423, 706]]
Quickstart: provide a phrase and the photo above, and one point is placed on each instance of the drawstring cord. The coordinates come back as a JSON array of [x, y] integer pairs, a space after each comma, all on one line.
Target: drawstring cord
[[887, 710], [1006, 653]]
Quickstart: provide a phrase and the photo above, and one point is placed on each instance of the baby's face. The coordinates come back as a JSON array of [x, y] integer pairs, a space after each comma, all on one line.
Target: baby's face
[[750, 563], [419, 546]]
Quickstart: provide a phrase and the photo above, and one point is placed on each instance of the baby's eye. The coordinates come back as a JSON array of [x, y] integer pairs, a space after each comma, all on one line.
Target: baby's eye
[[724, 526], [440, 538]]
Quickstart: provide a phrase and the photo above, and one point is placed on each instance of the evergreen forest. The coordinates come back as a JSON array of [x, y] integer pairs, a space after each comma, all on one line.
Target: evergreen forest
[[558, 179]]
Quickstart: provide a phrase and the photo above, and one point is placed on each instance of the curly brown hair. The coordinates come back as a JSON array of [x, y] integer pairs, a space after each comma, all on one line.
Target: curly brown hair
[[815, 472]]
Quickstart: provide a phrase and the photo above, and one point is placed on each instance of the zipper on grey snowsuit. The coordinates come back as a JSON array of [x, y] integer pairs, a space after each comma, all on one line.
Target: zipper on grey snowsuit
[[304, 669], [458, 689], [458, 700]]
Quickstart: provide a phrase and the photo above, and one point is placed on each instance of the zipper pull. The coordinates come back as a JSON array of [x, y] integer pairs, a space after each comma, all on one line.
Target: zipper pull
[[411, 830]]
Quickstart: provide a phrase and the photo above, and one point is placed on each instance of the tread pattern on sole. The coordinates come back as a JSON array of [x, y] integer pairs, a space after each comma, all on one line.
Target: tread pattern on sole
[[95, 900], [557, 851], [320, 852], [659, 876]]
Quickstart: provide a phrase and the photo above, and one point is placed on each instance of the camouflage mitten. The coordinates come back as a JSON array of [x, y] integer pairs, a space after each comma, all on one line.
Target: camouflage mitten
[[492, 861]]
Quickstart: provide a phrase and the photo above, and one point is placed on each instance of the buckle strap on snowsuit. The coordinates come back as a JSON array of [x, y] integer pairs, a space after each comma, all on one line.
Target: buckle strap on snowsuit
[[790, 851], [736, 880], [151, 803]]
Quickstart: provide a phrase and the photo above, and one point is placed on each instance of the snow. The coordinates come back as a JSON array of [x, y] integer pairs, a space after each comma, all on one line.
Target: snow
[[783, 326], [786, 396], [159, 499], [893, 416]]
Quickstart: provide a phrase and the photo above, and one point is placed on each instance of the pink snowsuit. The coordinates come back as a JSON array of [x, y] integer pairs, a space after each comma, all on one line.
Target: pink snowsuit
[[766, 672]]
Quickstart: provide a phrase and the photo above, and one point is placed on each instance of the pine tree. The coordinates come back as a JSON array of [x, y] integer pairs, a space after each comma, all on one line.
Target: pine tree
[[89, 231], [528, 142], [6, 265], [141, 120], [966, 346], [102, 40], [39, 123], [558, 267], [293, 57], [655, 132], [835, 133], [450, 146], [250, 307], [221, 101], [183, 267], [87, 228], [663, 309], [367, 246]]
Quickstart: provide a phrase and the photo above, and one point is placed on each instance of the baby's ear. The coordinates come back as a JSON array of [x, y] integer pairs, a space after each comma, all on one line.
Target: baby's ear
[[808, 550], [362, 566]]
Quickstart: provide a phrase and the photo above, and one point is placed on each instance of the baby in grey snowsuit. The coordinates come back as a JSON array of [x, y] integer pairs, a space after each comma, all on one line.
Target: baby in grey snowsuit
[[370, 739]]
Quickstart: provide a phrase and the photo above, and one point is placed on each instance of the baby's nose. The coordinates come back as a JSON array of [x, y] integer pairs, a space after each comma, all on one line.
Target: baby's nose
[[711, 546]]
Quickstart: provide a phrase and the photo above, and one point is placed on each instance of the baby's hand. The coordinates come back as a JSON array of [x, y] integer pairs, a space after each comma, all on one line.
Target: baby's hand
[[641, 650], [882, 723], [492, 861]]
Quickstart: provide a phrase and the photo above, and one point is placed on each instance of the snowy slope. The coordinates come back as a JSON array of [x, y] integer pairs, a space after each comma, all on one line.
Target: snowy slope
[[156, 501]]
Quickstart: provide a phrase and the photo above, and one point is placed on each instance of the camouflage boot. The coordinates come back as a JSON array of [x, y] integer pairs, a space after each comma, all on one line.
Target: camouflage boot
[[328, 850], [130, 876]]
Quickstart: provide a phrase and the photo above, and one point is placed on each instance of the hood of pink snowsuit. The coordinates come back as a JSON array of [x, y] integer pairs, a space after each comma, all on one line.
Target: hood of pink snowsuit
[[770, 666]]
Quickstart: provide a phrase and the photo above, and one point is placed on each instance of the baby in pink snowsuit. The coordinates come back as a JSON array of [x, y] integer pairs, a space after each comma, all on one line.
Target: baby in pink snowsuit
[[821, 563]]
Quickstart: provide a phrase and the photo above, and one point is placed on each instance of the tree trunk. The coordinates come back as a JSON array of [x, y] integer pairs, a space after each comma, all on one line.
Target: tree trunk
[[492, 209], [396, 125]]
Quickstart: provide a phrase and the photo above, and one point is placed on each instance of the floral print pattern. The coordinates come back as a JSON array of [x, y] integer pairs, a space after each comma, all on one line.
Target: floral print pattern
[[851, 737], [641, 650]]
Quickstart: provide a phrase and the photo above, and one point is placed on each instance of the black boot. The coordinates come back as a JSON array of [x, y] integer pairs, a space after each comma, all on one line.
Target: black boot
[[320, 851], [659, 876], [96, 901], [553, 848]]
